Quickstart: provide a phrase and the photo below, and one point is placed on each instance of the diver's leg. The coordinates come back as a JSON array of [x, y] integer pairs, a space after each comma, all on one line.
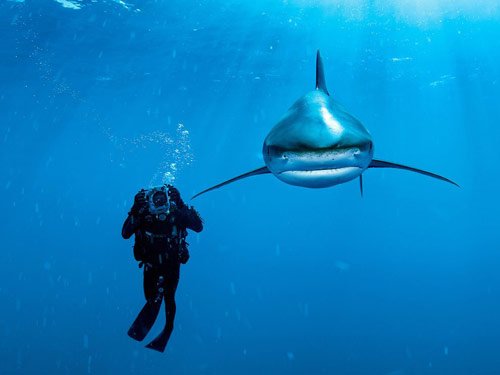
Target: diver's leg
[[149, 282], [170, 306], [147, 316], [170, 289], [172, 280]]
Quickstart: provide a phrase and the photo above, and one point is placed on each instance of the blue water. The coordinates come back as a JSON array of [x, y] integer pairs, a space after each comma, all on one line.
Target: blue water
[[101, 98]]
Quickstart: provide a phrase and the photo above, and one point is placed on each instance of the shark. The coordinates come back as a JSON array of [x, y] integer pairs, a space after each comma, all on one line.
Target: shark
[[318, 144]]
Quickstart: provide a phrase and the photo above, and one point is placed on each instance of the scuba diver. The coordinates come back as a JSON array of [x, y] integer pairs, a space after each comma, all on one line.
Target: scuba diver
[[159, 219]]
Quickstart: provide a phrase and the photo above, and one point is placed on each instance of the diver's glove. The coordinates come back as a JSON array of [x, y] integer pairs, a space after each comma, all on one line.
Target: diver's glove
[[175, 196], [140, 204], [182, 214], [183, 255]]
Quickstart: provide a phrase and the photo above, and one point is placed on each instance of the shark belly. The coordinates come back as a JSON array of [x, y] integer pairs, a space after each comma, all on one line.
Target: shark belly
[[321, 178]]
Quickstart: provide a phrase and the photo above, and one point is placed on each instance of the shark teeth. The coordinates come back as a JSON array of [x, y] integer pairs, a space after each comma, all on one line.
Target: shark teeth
[[321, 172]]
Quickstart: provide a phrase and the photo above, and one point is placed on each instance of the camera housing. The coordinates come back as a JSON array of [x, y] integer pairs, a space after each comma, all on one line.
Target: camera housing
[[158, 201]]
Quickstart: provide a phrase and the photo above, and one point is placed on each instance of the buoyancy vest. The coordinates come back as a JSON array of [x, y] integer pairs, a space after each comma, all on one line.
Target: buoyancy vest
[[156, 242]]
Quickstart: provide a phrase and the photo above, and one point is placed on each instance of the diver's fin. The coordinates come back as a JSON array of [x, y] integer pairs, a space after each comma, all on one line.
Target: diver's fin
[[255, 172], [320, 75], [361, 184], [386, 164], [160, 342], [145, 320]]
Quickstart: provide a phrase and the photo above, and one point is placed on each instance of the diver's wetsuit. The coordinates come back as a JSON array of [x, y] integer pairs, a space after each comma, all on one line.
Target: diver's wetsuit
[[160, 246]]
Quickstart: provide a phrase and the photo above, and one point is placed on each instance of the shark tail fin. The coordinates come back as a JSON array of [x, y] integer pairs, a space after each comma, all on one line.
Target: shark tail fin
[[320, 75], [255, 172], [386, 164]]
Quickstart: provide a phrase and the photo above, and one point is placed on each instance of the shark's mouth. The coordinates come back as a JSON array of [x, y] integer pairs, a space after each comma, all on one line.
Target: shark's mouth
[[321, 168], [319, 177], [321, 162]]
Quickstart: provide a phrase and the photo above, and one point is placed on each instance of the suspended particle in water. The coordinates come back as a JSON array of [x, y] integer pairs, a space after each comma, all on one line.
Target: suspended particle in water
[[342, 266], [85, 341]]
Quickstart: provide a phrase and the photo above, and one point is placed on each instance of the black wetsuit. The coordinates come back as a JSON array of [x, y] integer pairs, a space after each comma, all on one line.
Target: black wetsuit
[[160, 245]]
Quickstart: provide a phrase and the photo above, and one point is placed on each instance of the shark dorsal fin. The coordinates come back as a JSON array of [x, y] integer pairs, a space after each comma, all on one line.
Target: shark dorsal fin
[[320, 75]]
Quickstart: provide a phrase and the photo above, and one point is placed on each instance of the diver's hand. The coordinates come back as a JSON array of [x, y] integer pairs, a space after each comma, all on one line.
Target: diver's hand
[[140, 204], [175, 196], [184, 255]]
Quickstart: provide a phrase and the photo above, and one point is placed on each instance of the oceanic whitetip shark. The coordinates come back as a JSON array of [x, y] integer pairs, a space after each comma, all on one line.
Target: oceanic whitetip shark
[[318, 144]]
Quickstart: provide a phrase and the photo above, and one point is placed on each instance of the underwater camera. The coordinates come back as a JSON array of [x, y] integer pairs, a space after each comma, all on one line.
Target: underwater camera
[[158, 202]]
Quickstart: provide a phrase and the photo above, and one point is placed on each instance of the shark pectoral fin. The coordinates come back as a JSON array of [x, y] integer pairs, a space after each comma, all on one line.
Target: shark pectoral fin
[[386, 164], [320, 75], [361, 184], [255, 172]]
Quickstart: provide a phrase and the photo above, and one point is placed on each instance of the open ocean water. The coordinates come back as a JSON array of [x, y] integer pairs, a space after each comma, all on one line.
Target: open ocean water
[[101, 98]]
